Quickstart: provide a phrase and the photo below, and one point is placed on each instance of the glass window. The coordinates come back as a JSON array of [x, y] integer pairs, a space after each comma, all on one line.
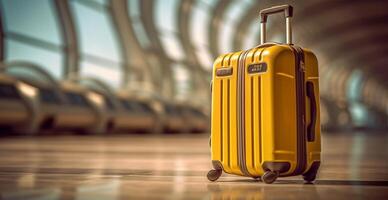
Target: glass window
[[199, 26], [166, 23], [226, 37], [204, 57], [111, 74], [252, 36], [95, 31], [354, 85], [277, 37], [172, 47], [208, 3], [141, 34], [32, 33], [166, 15], [102, 2], [236, 10], [35, 19], [137, 24], [182, 80], [233, 14], [100, 50], [360, 114], [134, 8], [50, 60]]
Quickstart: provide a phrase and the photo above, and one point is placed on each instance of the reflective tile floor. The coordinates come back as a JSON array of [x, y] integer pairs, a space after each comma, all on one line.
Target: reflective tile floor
[[355, 166]]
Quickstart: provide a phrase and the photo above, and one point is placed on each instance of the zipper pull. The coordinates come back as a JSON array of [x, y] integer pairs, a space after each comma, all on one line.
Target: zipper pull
[[302, 66]]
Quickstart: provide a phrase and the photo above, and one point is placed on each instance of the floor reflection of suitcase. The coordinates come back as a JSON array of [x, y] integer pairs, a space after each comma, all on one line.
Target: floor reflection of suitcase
[[265, 110]]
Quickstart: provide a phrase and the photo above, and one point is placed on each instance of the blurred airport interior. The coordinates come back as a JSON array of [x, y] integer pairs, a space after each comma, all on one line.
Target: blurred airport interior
[[78, 76], [98, 66]]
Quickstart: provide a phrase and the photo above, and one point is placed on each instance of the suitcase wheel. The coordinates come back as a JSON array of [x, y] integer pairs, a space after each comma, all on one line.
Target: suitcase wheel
[[214, 174], [309, 177], [270, 176], [311, 174]]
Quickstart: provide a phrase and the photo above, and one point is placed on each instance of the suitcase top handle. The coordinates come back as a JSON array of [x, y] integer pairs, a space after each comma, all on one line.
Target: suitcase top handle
[[288, 12]]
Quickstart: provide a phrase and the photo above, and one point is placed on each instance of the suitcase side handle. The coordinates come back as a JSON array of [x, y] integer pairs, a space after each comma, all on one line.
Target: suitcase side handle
[[288, 12], [313, 111]]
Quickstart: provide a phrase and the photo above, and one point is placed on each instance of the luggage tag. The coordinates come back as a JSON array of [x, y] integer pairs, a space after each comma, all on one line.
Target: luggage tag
[[224, 71], [257, 68]]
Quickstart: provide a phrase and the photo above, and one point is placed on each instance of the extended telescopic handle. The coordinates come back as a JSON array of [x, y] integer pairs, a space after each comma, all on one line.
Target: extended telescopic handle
[[288, 12]]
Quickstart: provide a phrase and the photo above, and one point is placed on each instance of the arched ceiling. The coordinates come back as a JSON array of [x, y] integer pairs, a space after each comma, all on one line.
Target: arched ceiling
[[343, 34], [337, 30]]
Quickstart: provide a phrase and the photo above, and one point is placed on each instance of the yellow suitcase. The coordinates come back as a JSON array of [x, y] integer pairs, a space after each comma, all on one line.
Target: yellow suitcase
[[265, 110]]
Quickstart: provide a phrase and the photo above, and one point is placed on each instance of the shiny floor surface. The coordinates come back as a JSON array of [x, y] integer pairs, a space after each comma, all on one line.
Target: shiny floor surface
[[355, 166]]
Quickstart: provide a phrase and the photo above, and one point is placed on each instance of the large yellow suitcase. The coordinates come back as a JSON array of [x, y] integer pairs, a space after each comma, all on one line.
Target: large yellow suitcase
[[265, 110]]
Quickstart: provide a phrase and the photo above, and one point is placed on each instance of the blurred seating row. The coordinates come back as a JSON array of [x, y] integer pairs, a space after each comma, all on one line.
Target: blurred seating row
[[31, 102]]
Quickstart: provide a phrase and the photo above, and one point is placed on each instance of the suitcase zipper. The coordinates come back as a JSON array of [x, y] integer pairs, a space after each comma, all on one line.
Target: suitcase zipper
[[241, 114], [241, 108], [301, 109]]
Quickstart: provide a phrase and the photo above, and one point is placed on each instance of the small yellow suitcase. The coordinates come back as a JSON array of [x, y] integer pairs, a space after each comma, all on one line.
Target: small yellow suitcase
[[265, 110]]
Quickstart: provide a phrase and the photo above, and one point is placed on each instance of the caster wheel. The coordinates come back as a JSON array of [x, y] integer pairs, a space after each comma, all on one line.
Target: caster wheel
[[309, 177], [269, 177], [311, 174], [213, 174]]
